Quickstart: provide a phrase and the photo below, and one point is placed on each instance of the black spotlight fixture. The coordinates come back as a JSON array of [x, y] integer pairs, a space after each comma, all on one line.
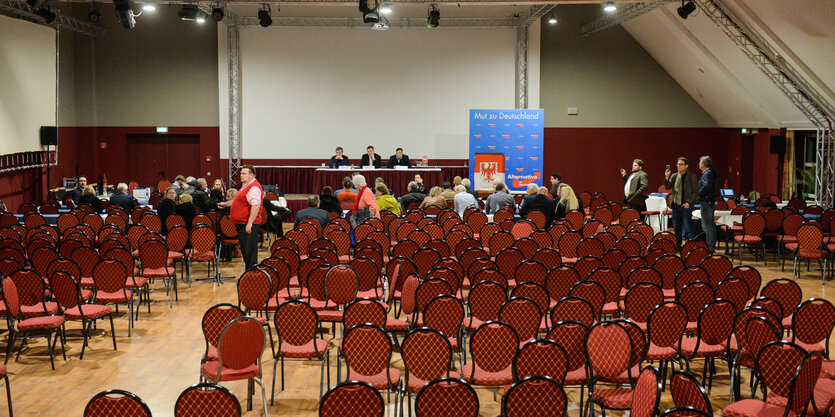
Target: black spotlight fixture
[[124, 13], [686, 9], [264, 16], [217, 13], [94, 16], [434, 17], [47, 15], [370, 11], [189, 12]]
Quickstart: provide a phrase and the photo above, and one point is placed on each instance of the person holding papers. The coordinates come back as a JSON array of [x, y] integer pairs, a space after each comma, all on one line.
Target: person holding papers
[[371, 158]]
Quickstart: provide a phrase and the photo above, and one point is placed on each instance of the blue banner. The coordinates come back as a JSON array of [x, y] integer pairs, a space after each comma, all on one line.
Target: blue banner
[[506, 145]]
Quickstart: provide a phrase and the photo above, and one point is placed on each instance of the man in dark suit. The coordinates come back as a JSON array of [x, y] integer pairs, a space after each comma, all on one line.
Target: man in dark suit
[[371, 158], [685, 188], [313, 212], [122, 199], [339, 159], [535, 201], [76, 193], [413, 196], [398, 159], [201, 197], [707, 201], [635, 185]]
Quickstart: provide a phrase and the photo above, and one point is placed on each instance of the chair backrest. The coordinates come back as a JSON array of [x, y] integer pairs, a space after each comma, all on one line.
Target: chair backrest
[[444, 313], [741, 329], [367, 350], [352, 398], [241, 344], [536, 395], [364, 310], [667, 323], [524, 315], [559, 281], [65, 290], [691, 274], [608, 351], [202, 238], [788, 371], [809, 237], [341, 284], [647, 394], [641, 299], [541, 357], [153, 254], [610, 279], [296, 324], [688, 392], [486, 299], [694, 297], [116, 403], [215, 320], [427, 354], [813, 321], [573, 309], [110, 275], [786, 292], [717, 267], [447, 397], [592, 292], [493, 346], [530, 270], [207, 399], [254, 290]]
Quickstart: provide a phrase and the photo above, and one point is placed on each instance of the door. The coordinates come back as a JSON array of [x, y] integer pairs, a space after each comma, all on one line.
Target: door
[[156, 157]]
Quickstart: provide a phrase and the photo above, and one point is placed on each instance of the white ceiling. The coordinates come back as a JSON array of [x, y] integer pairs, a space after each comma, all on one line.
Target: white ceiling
[[734, 91]]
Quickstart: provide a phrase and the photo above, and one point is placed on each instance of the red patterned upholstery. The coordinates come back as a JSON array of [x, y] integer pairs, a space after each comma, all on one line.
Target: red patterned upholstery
[[586, 265], [665, 329], [447, 397], [609, 350], [212, 324], [641, 300], [367, 351], [694, 297], [207, 399], [116, 403], [559, 281], [352, 398], [717, 267], [573, 309], [734, 290], [688, 392], [485, 300], [535, 396], [445, 313], [541, 357], [812, 324], [493, 346], [296, 324], [592, 292], [426, 354], [689, 275], [647, 393], [524, 315], [786, 292], [530, 270]]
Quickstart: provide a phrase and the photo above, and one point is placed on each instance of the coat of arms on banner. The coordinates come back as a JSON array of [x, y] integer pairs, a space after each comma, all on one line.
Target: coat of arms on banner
[[489, 167]]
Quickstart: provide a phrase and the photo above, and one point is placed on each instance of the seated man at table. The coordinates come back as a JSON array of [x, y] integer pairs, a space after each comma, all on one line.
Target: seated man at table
[[448, 194], [328, 202], [535, 201], [339, 159], [500, 198], [398, 159], [122, 199], [463, 200], [313, 212], [78, 191], [371, 158], [414, 196]]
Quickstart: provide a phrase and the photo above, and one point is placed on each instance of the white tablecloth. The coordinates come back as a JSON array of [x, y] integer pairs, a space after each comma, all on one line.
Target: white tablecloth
[[721, 216], [657, 204]]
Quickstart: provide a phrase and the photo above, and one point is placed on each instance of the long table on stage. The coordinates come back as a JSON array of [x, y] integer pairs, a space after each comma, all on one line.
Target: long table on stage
[[311, 179]]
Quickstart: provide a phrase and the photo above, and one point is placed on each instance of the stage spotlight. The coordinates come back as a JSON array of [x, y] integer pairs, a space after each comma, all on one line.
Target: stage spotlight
[[46, 14], [610, 7], [686, 9], [385, 9], [552, 19], [434, 17], [149, 7], [94, 16], [189, 12], [125, 14], [264, 18], [370, 11], [217, 14]]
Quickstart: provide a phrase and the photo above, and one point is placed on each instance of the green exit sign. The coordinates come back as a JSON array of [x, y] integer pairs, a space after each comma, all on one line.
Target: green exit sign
[[162, 129]]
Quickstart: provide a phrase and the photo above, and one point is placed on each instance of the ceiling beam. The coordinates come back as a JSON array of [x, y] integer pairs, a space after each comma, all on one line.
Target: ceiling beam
[[623, 14], [20, 10]]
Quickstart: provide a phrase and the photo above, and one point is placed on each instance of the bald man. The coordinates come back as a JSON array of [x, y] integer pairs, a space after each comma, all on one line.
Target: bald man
[[535, 201]]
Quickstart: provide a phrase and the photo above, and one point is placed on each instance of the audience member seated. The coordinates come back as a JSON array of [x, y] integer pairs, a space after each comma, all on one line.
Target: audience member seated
[[88, 197], [466, 183], [544, 191], [313, 212], [398, 159], [448, 194], [434, 198], [567, 202], [347, 194], [421, 186], [166, 206], [216, 194], [328, 202], [380, 180], [556, 181], [78, 191], [276, 215], [499, 198], [179, 183], [463, 200], [535, 201], [201, 197], [413, 196], [385, 201], [336, 193], [371, 158], [189, 186], [122, 199], [230, 195], [339, 159], [186, 209], [456, 181], [365, 197]]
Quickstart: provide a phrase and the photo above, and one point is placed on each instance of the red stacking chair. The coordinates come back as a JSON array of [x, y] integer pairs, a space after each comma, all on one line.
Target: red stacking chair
[[688, 392], [17, 323], [207, 399], [296, 324], [493, 346], [446, 397], [116, 402], [536, 395], [427, 355], [352, 398]]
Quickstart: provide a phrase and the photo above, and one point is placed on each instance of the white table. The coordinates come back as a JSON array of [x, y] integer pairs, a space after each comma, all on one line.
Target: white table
[[721, 216], [657, 204]]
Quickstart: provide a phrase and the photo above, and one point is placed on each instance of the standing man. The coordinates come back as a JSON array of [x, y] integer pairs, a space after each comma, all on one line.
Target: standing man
[[371, 158], [707, 201], [399, 159], [635, 186], [246, 214], [556, 180], [685, 188], [76, 193], [339, 159]]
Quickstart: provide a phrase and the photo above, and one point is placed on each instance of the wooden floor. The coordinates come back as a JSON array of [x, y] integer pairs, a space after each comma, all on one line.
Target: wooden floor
[[162, 358]]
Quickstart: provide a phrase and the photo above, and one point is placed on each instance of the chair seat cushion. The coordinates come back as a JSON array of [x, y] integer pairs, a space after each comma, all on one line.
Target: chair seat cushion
[[415, 383], [752, 408], [86, 294], [210, 369], [114, 297], [809, 347], [35, 323], [38, 309], [137, 282], [576, 377], [330, 315], [305, 351], [828, 369], [491, 379], [688, 346], [158, 272], [657, 353], [87, 282], [748, 239], [200, 256], [396, 325], [174, 256], [384, 380], [91, 311], [618, 398], [812, 253]]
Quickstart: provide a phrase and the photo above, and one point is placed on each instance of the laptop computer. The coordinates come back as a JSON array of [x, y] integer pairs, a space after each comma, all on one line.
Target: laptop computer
[[727, 192]]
